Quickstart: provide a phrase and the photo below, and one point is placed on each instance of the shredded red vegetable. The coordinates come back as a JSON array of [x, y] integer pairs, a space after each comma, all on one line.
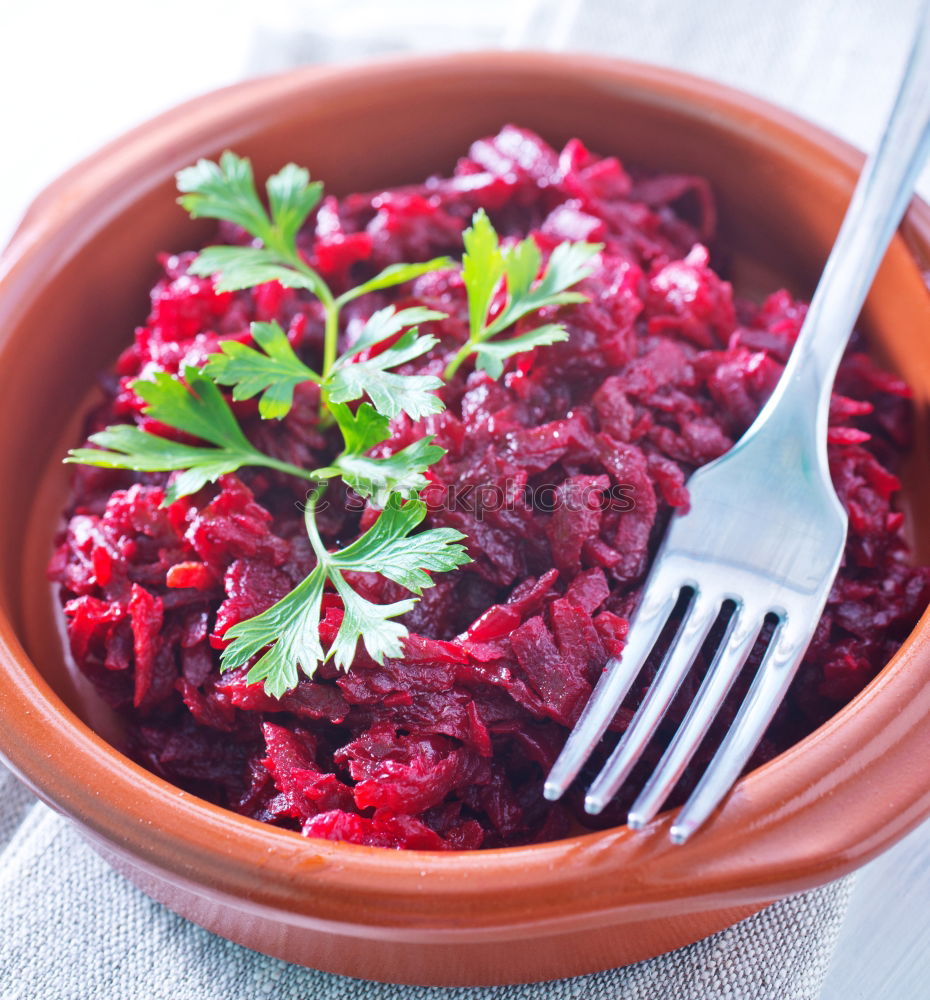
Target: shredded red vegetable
[[562, 474]]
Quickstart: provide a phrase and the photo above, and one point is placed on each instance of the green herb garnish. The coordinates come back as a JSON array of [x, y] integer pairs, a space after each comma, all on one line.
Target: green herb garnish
[[227, 191], [289, 630], [196, 407], [392, 394], [378, 478], [275, 370], [485, 263], [361, 390]]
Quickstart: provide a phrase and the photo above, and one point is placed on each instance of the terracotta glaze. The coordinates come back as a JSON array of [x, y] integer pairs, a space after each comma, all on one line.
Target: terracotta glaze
[[72, 285]]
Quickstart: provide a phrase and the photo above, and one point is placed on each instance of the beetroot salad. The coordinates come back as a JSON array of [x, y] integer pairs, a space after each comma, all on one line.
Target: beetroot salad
[[561, 474]]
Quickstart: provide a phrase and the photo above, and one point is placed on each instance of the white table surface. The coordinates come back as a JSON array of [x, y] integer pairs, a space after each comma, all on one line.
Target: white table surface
[[73, 75]]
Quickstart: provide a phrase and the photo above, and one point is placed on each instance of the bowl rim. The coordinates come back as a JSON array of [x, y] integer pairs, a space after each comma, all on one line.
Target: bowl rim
[[777, 813]]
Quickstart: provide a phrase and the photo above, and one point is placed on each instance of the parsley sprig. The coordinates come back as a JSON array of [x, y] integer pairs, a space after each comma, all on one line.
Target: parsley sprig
[[378, 478], [288, 632], [194, 406], [274, 370], [362, 389], [485, 263], [227, 191]]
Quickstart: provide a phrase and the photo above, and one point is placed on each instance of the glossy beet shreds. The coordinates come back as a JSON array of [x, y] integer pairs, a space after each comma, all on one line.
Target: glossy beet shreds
[[562, 474]]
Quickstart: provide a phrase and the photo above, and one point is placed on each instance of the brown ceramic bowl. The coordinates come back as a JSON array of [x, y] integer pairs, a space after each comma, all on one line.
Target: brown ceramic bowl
[[73, 283]]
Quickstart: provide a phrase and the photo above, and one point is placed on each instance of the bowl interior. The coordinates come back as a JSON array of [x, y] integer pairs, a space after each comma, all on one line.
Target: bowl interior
[[779, 207]]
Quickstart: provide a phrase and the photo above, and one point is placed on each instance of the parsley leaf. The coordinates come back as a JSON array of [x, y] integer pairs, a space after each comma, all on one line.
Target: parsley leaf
[[235, 268], [386, 548], [378, 478], [568, 264], [395, 274], [126, 447], [194, 406], [482, 270], [227, 191], [288, 632], [224, 190], [291, 198], [274, 371], [362, 429], [386, 323], [485, 263], [390, 392], [291, 628], [369, 621], [400, 473], [491, 354]]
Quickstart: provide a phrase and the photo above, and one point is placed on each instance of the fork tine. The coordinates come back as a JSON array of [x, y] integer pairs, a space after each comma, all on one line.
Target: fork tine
[[697, 623], [742, 631], [779, 665], [612, 687]]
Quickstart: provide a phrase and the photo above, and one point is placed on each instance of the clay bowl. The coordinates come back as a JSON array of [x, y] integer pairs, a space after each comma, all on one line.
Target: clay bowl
[[74, 282]]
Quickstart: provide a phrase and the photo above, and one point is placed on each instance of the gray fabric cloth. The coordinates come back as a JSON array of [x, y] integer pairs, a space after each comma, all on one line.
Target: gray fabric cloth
[[73, 929]]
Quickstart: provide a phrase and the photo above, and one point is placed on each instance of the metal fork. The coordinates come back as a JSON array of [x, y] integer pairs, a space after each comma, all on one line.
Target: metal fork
[[765, 529]]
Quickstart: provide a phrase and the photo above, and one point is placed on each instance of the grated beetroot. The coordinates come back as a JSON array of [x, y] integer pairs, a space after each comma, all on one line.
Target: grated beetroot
[[563, 475]]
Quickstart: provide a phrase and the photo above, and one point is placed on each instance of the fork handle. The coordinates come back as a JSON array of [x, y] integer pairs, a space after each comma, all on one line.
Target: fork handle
[[877, 206]]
